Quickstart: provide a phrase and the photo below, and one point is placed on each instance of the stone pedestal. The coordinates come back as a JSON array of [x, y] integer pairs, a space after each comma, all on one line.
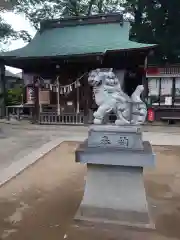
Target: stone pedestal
[[114, 190]]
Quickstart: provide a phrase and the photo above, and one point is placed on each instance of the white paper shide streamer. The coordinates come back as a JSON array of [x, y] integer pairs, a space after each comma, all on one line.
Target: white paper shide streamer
[[66, 89]]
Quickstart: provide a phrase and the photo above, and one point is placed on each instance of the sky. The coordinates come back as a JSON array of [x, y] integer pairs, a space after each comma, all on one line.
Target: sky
[[18, 22]]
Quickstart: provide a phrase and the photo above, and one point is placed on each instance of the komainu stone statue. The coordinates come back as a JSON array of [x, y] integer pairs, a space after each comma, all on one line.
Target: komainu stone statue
[[110, 98]]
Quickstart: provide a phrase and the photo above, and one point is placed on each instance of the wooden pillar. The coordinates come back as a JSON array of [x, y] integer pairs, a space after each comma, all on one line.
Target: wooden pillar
[[2, 91], [145, 81], [36, 100], [77, 104], [173, 90], [58, 97], [160, 91]]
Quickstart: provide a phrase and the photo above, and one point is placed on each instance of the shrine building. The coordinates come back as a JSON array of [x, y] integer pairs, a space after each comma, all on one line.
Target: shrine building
[[57, 61]]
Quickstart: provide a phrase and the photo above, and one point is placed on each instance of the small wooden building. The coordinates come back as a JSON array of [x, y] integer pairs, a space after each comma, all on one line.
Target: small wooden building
[[56, 63], [164, 91]]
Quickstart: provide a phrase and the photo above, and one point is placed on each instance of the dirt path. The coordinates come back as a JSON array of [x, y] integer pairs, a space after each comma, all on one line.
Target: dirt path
[[40, 203], [163, 189]]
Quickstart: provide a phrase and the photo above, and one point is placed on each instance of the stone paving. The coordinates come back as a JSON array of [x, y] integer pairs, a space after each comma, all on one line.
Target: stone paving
[[19, 140]]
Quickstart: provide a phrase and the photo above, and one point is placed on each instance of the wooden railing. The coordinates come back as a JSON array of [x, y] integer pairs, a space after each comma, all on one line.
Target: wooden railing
[[51, 117], [63, 118]]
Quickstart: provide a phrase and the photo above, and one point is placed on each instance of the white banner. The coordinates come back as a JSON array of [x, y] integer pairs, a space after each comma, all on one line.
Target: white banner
[[153, 85], [166, 86], [168, 101]]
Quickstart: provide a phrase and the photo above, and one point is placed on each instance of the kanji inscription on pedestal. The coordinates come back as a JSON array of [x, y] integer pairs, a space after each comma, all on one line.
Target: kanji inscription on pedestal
[[123, 141], [105, 140]]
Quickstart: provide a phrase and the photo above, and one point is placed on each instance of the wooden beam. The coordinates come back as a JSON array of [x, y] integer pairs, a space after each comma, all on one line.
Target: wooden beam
[[2, 91]]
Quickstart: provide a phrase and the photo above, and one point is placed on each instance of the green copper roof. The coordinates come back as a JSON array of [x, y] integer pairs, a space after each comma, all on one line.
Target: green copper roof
[[78, 39]]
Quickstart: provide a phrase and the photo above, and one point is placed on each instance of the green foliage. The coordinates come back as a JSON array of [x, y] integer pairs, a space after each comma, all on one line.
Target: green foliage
[[8, 33], [157, 22], [38, 10], [14, 96], [5, 30]]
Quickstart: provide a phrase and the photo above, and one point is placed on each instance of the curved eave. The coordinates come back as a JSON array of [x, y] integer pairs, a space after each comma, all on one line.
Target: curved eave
[[78, 41], [12, 54], [145, 47]]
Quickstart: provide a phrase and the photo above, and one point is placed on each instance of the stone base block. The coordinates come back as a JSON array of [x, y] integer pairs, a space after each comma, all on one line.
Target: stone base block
[[114, 194], [112, 136], [116, 156]]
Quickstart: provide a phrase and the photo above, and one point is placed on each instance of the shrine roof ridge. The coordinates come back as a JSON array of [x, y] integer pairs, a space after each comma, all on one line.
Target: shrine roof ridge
[[82, 20]]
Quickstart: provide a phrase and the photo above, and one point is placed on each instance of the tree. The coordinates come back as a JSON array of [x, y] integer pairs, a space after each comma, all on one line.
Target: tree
[[6, 30], [14, 96], [157, 22], [38, 10], [153, 21]]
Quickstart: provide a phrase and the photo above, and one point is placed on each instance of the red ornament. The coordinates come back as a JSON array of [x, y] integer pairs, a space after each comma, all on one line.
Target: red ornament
[[151, 115]]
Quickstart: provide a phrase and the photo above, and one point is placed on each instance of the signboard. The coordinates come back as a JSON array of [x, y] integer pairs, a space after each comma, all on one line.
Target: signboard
[[166, 86], [44, 97], [168, 101], [30, 95], [153, 86]]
